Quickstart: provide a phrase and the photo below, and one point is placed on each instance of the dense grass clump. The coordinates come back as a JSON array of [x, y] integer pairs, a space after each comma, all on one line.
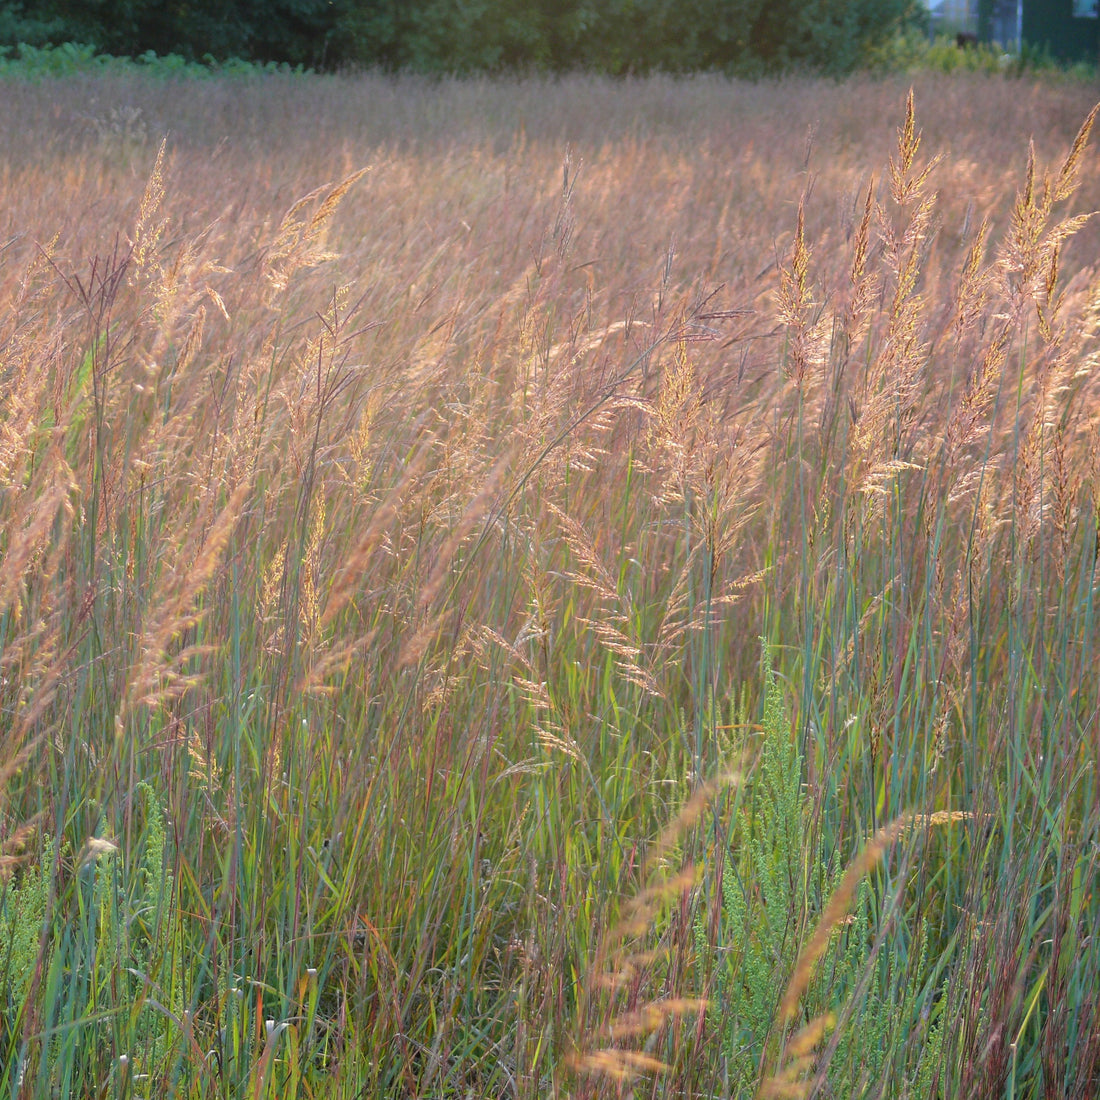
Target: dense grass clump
[[549, 588]]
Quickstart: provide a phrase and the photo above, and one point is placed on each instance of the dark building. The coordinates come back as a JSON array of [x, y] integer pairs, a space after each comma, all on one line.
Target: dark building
[[1004, 22], [1070, 29]]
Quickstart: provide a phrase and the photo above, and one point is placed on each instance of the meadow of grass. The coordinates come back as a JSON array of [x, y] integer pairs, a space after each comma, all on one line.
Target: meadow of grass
[[524, 588]]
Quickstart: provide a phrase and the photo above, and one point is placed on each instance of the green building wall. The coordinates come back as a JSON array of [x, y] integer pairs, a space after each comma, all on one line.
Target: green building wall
[[1051, 23]]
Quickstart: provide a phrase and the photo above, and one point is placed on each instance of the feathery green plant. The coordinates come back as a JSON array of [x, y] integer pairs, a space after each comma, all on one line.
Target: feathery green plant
[[773, 875], [106, 939], [23, 905], [755, 942]]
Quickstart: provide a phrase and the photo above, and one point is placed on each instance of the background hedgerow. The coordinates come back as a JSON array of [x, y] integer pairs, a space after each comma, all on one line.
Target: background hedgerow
[[452, 36], [396, 481]]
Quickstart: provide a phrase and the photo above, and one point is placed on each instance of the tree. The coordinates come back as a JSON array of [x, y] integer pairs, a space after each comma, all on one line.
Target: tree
[[613, 36]]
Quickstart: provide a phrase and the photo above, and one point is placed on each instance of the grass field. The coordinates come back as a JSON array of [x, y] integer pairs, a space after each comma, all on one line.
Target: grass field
[[535, 588]]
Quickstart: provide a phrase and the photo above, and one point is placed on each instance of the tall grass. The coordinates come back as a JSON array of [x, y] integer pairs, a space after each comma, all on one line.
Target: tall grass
[[397, 480]]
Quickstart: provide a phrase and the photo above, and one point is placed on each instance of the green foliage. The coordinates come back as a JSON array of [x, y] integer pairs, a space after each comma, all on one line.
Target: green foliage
[[831, 37], [773, 884], [620, 36], [447, 35], [745, 37], [35, 62], [297, 32], [129, 963], [637, 35], [616, 36], [913, 52], [22, 913], [104, 942], [429, 35], [756, 940], [18, 25]]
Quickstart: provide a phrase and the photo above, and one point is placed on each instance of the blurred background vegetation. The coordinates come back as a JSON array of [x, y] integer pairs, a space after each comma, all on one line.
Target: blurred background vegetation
[[452, 36]]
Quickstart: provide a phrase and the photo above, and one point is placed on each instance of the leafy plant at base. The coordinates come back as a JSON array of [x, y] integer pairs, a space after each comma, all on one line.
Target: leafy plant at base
[[134, 972], [773, 869], [110, 968], [22, 913]]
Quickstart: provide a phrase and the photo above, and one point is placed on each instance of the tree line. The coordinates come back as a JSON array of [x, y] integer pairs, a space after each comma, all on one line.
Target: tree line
[[446, 36]]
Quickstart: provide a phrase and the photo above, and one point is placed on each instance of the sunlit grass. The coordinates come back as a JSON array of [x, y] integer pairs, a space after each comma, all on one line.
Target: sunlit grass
[[386, 557]]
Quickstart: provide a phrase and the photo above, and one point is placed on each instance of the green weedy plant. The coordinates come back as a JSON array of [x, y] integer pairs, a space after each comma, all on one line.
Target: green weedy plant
[[132, 967], [754, 944], [770, 891], [111, 973], [23, 906]]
